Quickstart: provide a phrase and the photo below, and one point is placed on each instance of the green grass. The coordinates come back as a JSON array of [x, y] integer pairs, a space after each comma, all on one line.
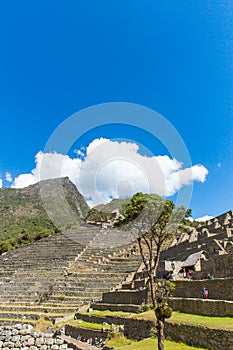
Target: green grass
[[83, 324], [206, 321], [177, 317], [42, 325], [121, 343]]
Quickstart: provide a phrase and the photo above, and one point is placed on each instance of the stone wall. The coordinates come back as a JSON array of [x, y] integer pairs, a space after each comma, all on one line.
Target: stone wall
[[115, 307], [202, 307], [219, 266], [22, 337], [219, 289], [137, 329], [200, 336], [98, 319], [133, 328], [192, 335], [96, 335], [135, 297]]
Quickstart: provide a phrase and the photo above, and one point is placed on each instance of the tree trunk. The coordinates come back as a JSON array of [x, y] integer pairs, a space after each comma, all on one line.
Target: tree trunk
[[152, 292], [157, 258], [161, 336]]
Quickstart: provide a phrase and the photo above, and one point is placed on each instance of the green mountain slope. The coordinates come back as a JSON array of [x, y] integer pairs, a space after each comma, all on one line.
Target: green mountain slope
[[24, 212], [115, 204]]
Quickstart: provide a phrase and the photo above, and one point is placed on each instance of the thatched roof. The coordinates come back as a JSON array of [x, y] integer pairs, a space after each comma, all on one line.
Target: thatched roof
[[192, 259]]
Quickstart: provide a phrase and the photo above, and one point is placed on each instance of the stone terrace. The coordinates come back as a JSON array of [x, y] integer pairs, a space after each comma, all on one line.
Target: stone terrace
[[62, 271]]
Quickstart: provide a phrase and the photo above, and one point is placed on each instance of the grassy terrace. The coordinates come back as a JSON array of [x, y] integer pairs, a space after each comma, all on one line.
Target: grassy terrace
[[83, 324], [148, 344], [177, 317], [119, 342]]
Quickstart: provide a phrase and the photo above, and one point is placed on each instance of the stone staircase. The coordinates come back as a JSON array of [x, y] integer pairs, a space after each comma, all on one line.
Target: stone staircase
[[128, 297]]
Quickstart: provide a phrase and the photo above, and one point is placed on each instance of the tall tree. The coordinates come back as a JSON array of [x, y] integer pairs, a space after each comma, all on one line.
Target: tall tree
[[155, 222]]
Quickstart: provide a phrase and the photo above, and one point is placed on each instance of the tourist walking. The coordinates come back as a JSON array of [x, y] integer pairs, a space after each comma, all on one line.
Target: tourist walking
[[205, 293]]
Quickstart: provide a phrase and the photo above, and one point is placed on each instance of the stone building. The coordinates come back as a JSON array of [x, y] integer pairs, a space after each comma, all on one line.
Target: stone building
[[205, 250]]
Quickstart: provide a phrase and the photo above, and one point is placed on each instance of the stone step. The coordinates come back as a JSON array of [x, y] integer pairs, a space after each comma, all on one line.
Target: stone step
[[76, 303], [45, 305], [79, 290], [115, 307], [8, 321], [74, 299], [87, 291], [35, 309], [22, 316]]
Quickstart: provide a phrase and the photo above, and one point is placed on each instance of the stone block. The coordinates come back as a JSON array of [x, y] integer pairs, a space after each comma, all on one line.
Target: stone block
[[8, 338], [49, 341], [31, 341], [9, 344], [44, 347], [18, 344], [15, 338], [36, 334], [19, 326], [40, 341]]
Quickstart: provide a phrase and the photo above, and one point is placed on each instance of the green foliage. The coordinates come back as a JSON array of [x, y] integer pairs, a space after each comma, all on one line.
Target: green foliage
[[134, 208], [118, 340], [163, 289], [24, 239], [97, 216], [163, 311], [188, 213], [189, 223], [144, 307], [141, 203]]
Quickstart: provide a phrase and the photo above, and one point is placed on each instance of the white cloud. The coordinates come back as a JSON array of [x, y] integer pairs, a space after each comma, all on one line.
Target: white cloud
[[49, 166], [0, 183], [204, 218], [96, 143], [8, 177], [111, 169]]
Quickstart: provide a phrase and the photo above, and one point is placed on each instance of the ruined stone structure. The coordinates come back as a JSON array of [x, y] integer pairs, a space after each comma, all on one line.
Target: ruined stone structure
[[205, 250]]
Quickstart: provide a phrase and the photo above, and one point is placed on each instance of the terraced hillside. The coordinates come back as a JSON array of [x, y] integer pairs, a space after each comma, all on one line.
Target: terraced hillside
[[63, 271]]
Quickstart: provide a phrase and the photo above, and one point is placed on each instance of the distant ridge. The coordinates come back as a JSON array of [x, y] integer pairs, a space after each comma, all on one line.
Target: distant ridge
[[115, 204]]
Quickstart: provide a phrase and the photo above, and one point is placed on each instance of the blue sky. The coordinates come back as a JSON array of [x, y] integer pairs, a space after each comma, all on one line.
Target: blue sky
[[175, 57]]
